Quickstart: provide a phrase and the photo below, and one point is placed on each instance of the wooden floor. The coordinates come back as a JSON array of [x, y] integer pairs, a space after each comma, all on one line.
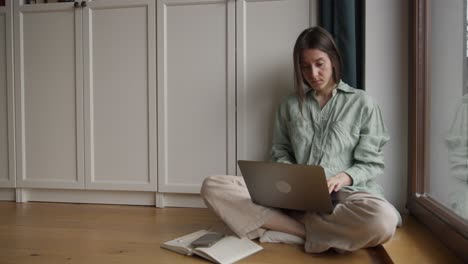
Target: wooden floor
[[78, 233]]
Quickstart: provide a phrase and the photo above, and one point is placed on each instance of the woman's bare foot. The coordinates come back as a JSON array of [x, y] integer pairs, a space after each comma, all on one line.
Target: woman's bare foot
[[286, 224]]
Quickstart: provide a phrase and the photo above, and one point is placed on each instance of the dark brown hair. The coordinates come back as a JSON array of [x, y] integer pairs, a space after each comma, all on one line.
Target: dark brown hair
[[315, 38]]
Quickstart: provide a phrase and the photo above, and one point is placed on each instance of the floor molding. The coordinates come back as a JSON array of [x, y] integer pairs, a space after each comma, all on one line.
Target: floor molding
[[86, 196], [160, 200], [180, 200], [7, 194]]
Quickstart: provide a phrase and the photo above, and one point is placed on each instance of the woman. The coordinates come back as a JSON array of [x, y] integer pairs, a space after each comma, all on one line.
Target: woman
[[326, 123]]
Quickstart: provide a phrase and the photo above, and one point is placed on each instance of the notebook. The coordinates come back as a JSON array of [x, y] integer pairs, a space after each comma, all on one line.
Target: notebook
[[288, 186], [227, 250]]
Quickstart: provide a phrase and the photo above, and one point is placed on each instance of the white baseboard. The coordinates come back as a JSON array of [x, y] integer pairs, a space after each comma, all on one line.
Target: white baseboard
[[88, 196], [179, 200], [7, 194], [102, 197]]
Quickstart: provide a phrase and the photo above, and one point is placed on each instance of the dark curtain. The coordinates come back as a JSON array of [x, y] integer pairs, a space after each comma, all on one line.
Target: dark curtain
[[344, 19]]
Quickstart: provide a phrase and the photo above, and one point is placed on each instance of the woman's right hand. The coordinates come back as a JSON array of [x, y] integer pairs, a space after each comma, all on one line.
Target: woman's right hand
[[336, 182]]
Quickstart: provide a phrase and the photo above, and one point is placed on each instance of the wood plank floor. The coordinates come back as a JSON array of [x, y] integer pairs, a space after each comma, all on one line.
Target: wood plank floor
[[414, 243], [79, 233]]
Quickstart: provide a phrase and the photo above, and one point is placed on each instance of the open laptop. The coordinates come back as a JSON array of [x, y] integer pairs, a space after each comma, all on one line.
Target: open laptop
[[288, 186]]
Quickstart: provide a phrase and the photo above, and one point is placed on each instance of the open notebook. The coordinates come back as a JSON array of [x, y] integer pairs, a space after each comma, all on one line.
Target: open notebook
[[227, 250]]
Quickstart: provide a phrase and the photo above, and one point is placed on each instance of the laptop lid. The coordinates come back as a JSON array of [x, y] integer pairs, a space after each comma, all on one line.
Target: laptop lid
[[289, 186]]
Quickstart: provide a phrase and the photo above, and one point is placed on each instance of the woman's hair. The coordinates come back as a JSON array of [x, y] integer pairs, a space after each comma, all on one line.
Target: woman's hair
[[314, 38]]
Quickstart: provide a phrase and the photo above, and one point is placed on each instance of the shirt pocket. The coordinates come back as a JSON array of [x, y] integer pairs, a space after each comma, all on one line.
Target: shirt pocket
[[342, 137], [301, 135]]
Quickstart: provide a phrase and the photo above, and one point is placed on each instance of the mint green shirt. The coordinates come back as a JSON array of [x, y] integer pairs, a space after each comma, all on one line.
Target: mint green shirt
[[346, 135]]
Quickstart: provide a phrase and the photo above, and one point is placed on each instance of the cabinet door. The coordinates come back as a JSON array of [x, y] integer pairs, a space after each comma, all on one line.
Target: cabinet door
[[266, 33], [7, 164], [48, 83], [196, 92], [119, 42]]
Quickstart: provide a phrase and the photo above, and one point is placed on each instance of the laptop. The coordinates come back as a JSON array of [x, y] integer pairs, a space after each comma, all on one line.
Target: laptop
[[287, 186]]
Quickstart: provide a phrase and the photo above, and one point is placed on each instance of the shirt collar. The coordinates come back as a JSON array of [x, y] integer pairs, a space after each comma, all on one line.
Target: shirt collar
[[342, 86], [333, 92]]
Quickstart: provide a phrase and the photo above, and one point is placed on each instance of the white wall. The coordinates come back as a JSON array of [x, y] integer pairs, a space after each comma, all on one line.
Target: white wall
[[386, 81]]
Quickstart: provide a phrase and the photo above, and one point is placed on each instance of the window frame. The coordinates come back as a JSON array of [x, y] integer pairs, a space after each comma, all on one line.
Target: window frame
[[465, 38], [451, 229]]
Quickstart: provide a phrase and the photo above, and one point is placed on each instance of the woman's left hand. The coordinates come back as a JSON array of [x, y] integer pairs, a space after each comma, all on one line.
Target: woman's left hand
[[336, 182]]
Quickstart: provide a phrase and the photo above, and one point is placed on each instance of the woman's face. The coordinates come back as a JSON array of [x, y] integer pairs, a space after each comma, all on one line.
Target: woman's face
[[317, 70]]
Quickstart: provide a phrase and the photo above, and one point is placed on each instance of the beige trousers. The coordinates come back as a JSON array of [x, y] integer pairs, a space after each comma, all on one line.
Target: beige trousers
[[359, 219]]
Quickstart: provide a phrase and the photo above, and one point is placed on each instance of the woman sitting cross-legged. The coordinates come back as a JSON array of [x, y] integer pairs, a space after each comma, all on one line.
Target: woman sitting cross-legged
[[326, 123]]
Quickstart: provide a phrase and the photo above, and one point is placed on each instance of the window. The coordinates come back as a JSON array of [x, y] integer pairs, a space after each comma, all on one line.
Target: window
[[438, 123]]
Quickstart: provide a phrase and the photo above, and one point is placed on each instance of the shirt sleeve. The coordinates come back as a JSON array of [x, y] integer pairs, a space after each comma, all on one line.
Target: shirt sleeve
[[281, 150], [368, 153]]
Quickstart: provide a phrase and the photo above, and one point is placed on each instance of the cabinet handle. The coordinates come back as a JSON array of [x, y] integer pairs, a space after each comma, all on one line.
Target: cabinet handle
[[76, 4], [83, 3]]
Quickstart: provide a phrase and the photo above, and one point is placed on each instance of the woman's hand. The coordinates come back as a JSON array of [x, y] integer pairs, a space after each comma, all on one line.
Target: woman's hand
[[336, 182]]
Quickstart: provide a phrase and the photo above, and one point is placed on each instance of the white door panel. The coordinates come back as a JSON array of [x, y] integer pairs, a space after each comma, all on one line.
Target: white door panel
[[120, 94], [7, 159], [196, 92], [49, 96]]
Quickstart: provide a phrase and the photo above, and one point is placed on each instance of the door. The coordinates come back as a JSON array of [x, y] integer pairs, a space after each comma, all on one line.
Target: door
[[196, 92], [120, 94], [49, 95], [7, 159]]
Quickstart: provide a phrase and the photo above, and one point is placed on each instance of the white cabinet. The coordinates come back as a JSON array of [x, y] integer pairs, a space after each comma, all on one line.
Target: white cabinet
[[196, 92], [266, 33], [87, 114], [7, 159], [86, 95]]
